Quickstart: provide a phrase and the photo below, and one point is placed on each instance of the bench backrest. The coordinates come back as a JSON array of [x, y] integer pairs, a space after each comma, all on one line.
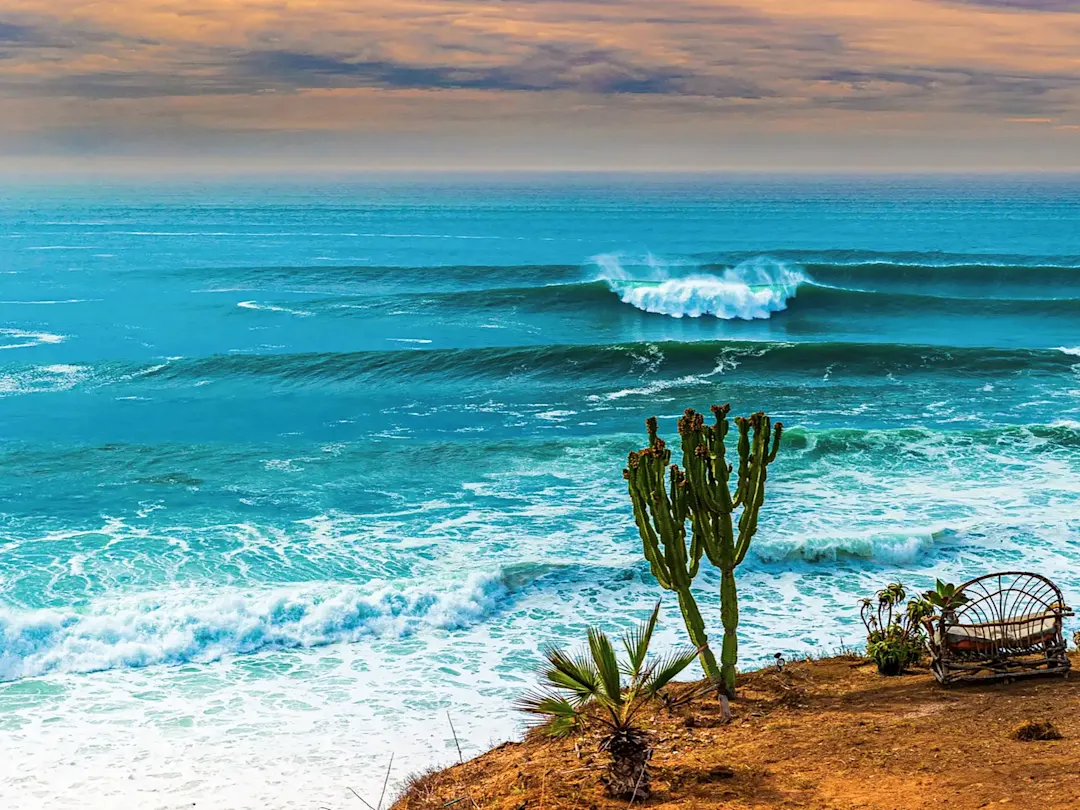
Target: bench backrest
[[1008, 598]]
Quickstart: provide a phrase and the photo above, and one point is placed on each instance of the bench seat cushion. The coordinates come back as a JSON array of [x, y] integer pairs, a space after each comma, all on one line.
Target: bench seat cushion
[[1023, 631]]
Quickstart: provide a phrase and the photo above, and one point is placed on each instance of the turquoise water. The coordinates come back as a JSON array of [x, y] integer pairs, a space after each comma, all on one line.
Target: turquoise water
[[291, 469]]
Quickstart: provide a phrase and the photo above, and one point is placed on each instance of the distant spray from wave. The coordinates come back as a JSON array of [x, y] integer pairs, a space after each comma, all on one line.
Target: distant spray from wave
[[753, 289]]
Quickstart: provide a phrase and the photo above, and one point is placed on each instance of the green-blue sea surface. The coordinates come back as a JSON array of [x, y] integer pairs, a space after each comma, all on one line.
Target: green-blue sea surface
[[289, 469]]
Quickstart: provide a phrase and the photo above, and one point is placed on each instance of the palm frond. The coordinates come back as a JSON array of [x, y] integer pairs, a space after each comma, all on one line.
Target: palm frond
[[607, 665], [662, 673], [575, 674], [564, 718], [637, 643], [572, 682]]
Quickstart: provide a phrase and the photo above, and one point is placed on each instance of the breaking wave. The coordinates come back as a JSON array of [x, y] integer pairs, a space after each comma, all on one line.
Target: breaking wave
[[176, 629], [895, 547], [749, 291]]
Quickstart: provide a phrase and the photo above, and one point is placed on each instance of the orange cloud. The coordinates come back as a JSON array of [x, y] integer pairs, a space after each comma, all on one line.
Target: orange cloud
[[424, 65]]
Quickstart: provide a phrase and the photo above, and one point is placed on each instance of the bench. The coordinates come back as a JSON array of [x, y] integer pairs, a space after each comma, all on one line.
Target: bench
[[1009, 626]]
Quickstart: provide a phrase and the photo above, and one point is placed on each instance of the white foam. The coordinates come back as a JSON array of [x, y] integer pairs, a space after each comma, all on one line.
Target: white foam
[[182, 627], [728, 360], [1074, 351], [555, 416], [28, 339], [897, 547], [61, 247], [752, 290], [47, 302], [272, 308], [43, 379], [293, 726]]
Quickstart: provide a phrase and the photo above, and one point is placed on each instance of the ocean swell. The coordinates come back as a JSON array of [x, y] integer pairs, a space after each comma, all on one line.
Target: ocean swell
[[654, 363], [927, 441], [177, 628]]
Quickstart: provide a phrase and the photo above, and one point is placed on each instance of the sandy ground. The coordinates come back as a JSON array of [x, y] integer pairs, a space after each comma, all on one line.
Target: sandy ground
[[825, 734]]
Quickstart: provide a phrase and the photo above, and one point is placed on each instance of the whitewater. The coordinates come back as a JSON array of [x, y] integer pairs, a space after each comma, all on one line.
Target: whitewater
[[291, 470]]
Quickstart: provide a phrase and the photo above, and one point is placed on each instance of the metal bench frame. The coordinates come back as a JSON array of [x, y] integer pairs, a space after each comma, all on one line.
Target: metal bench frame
[[996, 603]]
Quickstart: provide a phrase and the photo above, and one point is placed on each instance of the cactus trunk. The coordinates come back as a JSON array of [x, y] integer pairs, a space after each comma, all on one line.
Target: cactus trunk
[[695, 628], [729, 614]]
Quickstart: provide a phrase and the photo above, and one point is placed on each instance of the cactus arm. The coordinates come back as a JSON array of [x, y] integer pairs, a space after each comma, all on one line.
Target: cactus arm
[[720, 468], [704, 533], [649, 541], [749, 518], [778, 432], [674, 533], [696, 548], [744, 459]]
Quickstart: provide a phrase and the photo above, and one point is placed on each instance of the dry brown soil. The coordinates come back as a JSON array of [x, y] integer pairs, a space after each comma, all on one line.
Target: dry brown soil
[[832, 735]]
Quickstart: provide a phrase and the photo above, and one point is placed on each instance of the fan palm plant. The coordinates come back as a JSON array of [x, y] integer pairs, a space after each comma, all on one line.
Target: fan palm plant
[[578, 689]]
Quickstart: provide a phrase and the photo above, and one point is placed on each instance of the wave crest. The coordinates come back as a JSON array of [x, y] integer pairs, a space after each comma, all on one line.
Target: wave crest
[[751, 290], [895, 547]]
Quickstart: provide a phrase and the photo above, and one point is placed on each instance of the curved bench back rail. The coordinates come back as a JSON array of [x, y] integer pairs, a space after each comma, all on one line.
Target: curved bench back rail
[[1011, 624]]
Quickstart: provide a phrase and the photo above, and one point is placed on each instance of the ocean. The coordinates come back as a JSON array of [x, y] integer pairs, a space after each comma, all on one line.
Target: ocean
[[293, 469]]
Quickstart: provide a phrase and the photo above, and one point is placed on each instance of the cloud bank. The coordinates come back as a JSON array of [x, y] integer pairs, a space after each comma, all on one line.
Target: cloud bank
[[84, 78]]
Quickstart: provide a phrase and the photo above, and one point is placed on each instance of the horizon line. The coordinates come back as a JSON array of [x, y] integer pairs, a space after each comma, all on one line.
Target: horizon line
[[215, 171]]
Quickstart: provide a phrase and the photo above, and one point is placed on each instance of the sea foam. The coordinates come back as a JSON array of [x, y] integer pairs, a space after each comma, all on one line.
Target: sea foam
[[176, 628], [751, 290], [26, 339], [39, 379], [253, 305]]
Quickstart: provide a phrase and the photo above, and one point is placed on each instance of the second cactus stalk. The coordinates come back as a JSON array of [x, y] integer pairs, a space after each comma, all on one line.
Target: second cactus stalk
[[659, 495]]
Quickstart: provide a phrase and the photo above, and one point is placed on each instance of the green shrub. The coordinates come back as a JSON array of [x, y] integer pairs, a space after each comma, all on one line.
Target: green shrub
[[894, 635], [895, 638]]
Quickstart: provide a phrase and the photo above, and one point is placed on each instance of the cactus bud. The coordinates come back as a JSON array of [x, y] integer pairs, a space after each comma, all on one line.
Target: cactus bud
[[651, 427]]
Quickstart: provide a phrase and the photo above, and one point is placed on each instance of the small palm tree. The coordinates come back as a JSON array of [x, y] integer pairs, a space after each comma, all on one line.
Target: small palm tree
[[572, 685]]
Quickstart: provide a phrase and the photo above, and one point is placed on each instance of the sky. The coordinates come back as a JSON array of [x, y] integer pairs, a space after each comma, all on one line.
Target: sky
[[889, 85]]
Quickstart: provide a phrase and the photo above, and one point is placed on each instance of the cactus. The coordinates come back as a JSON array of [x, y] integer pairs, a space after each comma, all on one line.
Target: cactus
[[711, 504], [665, 497], [659, 495]]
